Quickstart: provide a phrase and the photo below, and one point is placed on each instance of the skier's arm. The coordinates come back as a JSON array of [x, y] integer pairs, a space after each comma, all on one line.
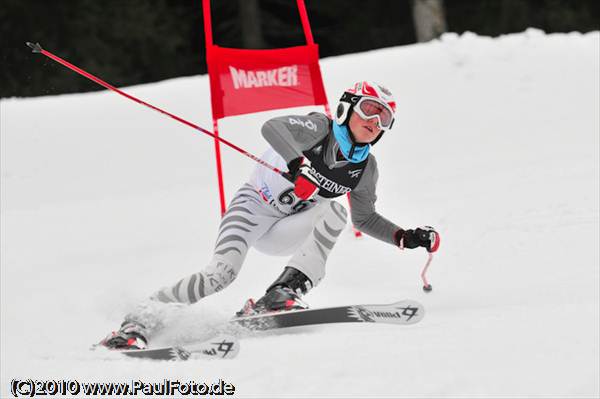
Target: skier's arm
[[293, 134], [367, 220], [364, 216]]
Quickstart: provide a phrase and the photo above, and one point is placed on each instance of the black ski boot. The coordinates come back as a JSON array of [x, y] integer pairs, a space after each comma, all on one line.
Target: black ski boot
[[129, 336], [283, 295]]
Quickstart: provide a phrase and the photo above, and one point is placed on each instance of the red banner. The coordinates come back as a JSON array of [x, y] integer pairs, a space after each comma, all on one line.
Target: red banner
[[246, 81]]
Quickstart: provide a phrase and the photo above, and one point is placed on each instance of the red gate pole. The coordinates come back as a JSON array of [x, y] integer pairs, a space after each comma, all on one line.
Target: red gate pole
[[309, 39], [209, 43], [305, 24]]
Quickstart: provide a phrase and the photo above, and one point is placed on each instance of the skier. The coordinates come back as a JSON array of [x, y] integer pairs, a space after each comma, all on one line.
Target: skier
[[326, 159]]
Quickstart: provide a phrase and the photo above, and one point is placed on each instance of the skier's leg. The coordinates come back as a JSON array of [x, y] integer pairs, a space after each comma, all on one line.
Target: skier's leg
[[247, 218], [312, 234], [245, 221], [312, 255], [309, 235]]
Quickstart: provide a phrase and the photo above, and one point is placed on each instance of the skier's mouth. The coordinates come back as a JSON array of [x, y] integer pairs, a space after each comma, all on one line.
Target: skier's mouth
[[369, 128]]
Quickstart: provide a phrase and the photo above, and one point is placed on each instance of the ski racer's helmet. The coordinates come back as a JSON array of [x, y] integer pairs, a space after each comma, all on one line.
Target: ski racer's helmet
[[369, 100]]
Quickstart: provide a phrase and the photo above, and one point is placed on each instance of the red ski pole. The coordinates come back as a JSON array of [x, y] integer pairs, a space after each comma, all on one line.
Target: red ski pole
[[37, 48]]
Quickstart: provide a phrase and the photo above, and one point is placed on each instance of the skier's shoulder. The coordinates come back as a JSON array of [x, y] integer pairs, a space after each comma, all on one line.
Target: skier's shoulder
[[319, 116], [372, 165], [314, 122]]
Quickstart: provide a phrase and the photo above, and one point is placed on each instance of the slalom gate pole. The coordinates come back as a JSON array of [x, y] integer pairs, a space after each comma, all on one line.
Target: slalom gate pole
[[37, 48]]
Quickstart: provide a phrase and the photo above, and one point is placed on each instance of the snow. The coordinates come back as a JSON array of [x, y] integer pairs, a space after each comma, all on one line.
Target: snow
[[496, 145]]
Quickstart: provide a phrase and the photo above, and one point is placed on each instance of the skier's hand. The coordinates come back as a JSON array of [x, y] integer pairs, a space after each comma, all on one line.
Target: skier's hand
[[424, 236], [306, 185]]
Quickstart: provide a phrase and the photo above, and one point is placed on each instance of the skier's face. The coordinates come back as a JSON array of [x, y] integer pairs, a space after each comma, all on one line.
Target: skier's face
[[364, 130]]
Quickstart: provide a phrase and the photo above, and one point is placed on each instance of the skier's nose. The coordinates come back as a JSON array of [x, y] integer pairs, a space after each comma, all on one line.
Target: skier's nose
[[374, 124]]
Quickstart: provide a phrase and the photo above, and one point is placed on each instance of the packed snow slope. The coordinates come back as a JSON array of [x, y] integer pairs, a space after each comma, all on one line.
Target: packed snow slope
[[495, 144]]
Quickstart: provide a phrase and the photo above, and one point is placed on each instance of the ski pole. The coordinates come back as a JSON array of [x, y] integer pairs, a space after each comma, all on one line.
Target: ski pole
[[37, 48], [426, 286]]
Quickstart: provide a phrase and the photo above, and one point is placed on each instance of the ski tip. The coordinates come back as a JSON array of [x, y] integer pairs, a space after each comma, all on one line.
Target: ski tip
[[35, 47], [413, 310], [222, 346]]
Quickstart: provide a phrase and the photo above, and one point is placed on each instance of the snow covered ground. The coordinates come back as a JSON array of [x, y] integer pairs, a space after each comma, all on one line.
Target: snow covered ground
[[496, 144]]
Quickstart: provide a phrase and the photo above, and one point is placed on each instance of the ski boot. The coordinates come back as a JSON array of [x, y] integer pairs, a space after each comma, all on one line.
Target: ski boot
[[283, 295], [129, 336]]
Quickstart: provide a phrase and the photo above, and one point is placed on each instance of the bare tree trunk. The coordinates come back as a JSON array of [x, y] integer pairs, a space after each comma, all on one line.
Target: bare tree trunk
[[252, 36], [429, 19]]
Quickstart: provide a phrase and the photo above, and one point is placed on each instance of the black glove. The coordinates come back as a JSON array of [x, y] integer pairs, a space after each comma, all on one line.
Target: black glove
[[424, 236]]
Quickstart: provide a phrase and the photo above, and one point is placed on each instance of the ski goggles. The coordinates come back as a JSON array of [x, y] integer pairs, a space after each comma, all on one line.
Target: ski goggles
[[369, 108]]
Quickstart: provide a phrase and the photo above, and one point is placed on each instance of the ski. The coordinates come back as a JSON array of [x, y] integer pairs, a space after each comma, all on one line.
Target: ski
[[227, 347], [220, 347], [403, 312]]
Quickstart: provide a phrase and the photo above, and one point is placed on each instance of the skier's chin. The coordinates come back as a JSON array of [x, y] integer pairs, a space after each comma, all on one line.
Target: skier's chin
[[365, 136]]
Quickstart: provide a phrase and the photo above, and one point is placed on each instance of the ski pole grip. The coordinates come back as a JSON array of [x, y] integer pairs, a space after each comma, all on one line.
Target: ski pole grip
[[35, 47]]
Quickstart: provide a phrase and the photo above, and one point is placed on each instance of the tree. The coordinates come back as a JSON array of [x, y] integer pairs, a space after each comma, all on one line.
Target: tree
[[429, 19], [250, 22]]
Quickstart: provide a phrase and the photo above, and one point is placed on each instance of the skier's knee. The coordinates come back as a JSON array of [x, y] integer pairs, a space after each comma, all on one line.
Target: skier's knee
[[337, 217], [312, 256]]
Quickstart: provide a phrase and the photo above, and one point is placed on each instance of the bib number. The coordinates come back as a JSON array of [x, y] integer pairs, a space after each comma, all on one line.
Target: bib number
[[287, 197]]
